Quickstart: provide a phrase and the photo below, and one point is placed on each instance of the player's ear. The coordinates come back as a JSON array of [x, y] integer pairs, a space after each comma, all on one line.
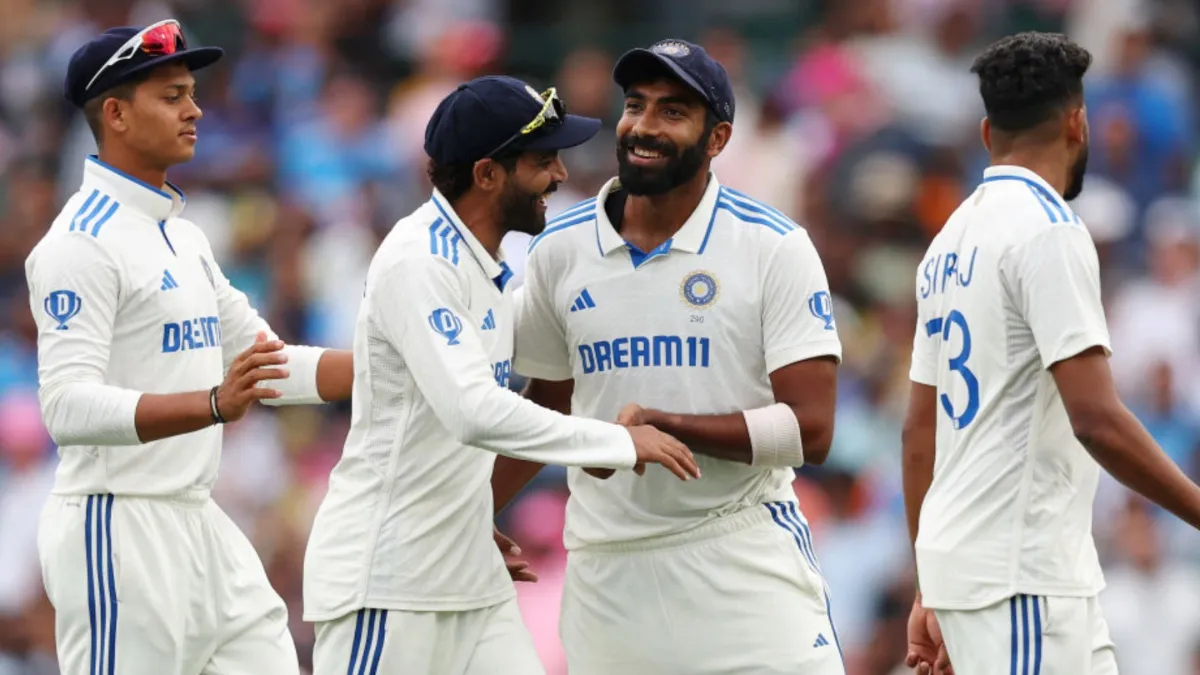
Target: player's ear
[[114, 114], [719, 138], [985, 133], [1077, 125], [488, 174]]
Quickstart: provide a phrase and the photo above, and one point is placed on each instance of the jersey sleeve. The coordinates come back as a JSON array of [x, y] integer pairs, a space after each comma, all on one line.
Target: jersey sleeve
[[797, 309], [541, 349], [448, 362], [1055, 281], [74, 295], [241, 324]]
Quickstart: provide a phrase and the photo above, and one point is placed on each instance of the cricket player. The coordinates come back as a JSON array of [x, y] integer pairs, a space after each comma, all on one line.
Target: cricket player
[[1013, 410], [144, 350], [710, 312], [401, 575]]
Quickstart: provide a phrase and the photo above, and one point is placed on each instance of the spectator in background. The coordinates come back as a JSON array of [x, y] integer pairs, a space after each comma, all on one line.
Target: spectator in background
[[1168, 299], [325, 163], [26, 477], [1144, 130], [1152, 601]]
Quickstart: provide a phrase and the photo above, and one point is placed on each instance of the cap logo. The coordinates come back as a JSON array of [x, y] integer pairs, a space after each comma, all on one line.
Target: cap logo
[[533, 92], [671, 48]]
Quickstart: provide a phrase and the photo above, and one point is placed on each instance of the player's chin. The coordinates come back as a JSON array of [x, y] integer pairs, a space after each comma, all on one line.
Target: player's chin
[[185, 150]]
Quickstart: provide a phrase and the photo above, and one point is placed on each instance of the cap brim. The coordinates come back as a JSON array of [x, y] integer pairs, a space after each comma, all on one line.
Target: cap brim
[[194, 59], [640, 63], [574, 130]]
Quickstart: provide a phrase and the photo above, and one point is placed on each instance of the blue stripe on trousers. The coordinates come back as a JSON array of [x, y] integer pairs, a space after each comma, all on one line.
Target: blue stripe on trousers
[[369, 661]]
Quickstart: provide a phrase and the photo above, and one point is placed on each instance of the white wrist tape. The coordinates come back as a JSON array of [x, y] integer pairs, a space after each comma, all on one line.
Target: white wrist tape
[[774, 436], [300, 386]]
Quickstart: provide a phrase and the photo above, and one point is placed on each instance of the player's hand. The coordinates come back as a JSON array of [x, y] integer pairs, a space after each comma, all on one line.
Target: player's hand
[[656, 447], [632, 415], [250, 367], [926, 648], [517, 569]]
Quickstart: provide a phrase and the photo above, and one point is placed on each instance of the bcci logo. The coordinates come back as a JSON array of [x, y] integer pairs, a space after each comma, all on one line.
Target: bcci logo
[[671, 48], [821, 306], [445, 323], [699, 289], [62, 306]]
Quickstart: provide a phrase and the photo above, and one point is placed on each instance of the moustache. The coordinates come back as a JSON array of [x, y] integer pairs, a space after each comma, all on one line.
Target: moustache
[[630, 142]]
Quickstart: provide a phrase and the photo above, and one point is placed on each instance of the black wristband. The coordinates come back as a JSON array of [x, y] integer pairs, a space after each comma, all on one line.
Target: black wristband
[[212, 406]]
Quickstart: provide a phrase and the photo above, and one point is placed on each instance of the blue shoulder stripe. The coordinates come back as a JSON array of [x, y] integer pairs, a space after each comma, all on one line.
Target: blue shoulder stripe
[[748, 217], [443, 240], [759, 209], [105, 217], [83, 209], [558, 226], [760, 204], [575, 210], [95, 217], [1054, 208]]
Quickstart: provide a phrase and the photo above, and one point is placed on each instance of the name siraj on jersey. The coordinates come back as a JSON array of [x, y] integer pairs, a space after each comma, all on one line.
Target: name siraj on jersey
[[943, 268]]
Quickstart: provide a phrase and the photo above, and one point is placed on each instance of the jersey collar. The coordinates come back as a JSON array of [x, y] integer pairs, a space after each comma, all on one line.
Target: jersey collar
[[496, 270], [691, 237], [1020, 173], [160, 205]]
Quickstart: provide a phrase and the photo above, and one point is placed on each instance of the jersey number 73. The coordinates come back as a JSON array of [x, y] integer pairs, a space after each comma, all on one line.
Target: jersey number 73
[[958, 364]]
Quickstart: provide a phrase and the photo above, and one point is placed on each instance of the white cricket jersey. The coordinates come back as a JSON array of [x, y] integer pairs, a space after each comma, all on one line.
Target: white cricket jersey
[[693, 327], [407, 522], [1010, 286], [129, 300]]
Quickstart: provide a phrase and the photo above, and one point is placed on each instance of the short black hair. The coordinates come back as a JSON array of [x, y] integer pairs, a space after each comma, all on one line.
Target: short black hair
[[1029, 78], [93, 110], [454, 180]]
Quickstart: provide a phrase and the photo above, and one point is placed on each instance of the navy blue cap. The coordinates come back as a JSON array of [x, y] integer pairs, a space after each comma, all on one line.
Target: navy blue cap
[[687, 62], [480, 115], [91, 57]]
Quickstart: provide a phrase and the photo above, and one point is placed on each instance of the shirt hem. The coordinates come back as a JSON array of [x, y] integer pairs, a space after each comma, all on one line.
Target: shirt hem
[[412, 605], [932, 602]]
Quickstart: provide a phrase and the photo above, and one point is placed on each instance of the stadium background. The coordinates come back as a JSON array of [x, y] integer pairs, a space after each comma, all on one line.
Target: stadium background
[[858, 118]]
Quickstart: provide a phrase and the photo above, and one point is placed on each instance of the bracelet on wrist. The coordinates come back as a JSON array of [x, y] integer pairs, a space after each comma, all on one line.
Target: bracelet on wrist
[[212, 406]]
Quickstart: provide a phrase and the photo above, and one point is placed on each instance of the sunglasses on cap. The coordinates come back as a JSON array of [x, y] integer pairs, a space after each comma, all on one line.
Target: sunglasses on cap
[[160, 39], [552, 114]]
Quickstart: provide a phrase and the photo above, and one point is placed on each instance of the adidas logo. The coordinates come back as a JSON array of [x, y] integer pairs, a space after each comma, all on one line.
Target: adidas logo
[[821, 641], [583, 301], [168, 281], [489, 321]]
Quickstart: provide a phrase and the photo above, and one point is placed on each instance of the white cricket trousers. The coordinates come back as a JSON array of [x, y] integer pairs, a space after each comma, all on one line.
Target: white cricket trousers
[[739, 595], [158, 586], [488, 641], [1030, 635]]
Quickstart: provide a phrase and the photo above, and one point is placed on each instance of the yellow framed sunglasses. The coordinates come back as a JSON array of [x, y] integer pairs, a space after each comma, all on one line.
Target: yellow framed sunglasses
[[552, 114]]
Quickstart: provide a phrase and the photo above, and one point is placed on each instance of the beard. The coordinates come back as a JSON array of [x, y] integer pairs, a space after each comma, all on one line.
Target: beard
[[681, 166], [520, 211], [1075, 181]]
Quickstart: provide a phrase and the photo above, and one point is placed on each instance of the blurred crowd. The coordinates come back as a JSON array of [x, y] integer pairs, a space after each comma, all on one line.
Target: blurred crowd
[[858, 119]]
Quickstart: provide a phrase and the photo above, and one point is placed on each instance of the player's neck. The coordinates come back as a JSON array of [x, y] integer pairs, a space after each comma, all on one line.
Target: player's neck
[[478, 216], [649, 220], [128, 163], [1051, 170]]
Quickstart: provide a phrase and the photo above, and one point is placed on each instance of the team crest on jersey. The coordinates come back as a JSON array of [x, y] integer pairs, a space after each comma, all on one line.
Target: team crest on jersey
[[699, 289], [208, 272]]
